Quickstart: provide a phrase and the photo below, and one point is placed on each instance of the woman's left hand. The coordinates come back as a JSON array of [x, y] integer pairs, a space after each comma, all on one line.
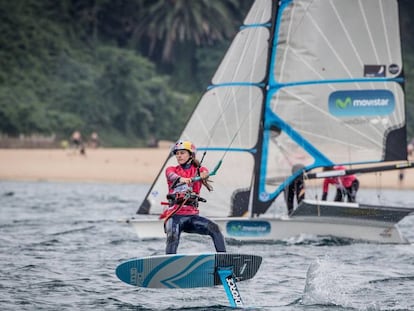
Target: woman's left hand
[[204, 175]]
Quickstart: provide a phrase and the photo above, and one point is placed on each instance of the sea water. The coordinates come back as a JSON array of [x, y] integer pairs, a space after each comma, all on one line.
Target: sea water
[[60, 244]]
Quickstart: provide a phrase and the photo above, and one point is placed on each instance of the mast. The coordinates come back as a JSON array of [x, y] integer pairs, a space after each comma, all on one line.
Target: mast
[[258, 206]]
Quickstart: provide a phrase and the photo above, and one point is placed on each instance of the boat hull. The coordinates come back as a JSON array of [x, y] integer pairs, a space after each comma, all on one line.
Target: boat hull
[[315, 218], [273, 229], [279, 229]]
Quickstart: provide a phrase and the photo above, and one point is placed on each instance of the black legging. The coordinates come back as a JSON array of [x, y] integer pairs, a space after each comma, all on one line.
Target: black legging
[[191, 224], [297, 188], [349, 192]]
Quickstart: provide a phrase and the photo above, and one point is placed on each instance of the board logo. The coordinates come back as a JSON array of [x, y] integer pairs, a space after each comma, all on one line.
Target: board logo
[[247, 228], [133, 276], [361, 103], [234, 291]]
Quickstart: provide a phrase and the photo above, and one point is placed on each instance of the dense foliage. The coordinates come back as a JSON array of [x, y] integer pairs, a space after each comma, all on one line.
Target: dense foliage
[[130, 70]]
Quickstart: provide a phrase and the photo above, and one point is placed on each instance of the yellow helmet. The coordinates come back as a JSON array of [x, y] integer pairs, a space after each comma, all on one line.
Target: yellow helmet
[[185, 145]]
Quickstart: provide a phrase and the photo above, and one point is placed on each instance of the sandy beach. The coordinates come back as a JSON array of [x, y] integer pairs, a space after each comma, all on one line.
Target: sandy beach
[[113, 165], [98, 165]]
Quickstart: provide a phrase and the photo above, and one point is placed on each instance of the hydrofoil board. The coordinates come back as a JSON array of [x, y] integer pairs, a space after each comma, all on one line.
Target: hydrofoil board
[[187, 270]]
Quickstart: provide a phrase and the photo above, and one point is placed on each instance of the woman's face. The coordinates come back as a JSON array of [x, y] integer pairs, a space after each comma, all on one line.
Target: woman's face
[[182, 156]]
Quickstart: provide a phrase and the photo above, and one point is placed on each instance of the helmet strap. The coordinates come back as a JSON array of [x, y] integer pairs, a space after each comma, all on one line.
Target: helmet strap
[[187, 164]]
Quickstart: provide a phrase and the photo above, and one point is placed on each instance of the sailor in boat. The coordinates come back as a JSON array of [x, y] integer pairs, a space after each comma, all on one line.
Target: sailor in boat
[[346, 186], [296, 188], [182, 214]]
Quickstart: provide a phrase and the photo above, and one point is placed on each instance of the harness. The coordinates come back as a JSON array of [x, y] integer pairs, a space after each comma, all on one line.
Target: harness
[[179, 200], [190, 199]]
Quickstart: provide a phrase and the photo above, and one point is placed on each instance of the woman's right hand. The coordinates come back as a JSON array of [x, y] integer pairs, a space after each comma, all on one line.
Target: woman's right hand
[[185, 180]]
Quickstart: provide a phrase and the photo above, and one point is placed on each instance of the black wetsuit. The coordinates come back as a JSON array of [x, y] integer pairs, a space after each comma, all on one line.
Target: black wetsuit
[[191, 224]]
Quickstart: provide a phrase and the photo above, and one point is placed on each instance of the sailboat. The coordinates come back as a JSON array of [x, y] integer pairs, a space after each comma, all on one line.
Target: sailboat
[[308, 84]]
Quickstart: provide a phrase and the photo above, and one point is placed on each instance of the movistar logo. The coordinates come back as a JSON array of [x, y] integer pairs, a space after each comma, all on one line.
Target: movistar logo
[[342, 104], [247, 228], [361, 103]]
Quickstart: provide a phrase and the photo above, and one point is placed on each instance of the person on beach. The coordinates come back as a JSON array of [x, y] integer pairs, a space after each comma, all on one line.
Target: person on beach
[[94, 140], [76, 139], [77, 143], [346, 186], [182, 214]]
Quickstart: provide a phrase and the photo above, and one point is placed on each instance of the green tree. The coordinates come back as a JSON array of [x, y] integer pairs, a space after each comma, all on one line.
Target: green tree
[[133, 94], [168, 23], [127, 69], [172, 30]]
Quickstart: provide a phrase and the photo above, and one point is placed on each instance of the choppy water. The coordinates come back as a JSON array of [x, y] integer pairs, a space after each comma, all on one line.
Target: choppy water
[[60, 244]]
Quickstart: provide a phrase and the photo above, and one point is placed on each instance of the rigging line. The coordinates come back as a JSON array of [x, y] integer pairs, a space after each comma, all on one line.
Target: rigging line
[[253, 101], [241, 125], [286, 156], [199, 164], [282, 149]]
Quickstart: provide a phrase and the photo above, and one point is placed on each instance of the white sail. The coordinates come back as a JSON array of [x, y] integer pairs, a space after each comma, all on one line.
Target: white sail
[[228, 116], [335, 89], [311, 82]]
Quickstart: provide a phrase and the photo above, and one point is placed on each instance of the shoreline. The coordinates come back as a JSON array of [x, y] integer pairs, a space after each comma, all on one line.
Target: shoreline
[[124, 165], [108, 165]]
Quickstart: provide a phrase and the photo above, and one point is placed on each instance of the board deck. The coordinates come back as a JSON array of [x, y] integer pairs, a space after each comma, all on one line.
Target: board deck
[[186, 270]]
